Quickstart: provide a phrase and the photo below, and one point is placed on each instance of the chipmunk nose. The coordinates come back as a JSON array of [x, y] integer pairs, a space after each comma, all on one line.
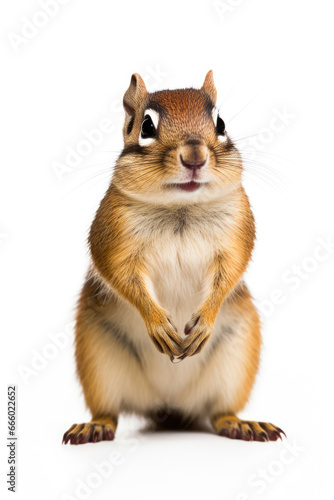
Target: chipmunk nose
[[192, 165], [193, 154]]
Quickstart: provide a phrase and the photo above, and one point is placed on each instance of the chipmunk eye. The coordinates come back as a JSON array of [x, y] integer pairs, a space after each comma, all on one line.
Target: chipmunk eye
[[147, 128], [220, 127]]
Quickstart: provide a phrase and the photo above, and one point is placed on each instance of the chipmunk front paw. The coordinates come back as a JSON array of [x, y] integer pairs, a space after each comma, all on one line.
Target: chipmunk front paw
[[198, 331], [165, 337]]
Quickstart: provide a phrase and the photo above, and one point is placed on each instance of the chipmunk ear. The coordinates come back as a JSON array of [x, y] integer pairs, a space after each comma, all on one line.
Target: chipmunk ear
[[209, 86], [134, 95]]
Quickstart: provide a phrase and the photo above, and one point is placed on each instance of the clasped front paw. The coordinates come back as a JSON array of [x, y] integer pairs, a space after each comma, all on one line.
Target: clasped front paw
[[165, 337], [198, 331]]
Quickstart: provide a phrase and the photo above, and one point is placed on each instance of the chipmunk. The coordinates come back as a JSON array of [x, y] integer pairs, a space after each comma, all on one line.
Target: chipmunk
[[170, 243]]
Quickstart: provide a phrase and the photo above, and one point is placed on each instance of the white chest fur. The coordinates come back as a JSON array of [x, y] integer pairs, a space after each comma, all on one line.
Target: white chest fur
[[178, 269]]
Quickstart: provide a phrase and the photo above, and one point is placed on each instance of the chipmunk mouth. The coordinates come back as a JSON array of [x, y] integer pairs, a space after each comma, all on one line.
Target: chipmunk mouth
[[190, 186]]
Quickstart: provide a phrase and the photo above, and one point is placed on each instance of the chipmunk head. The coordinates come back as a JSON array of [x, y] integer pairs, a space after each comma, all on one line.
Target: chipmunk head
[[176, 149]]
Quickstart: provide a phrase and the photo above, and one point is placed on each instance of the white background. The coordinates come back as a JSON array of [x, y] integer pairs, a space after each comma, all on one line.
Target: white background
[[267, 57]]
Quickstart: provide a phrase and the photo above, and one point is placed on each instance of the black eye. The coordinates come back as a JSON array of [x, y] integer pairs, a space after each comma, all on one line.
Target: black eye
[[220, 127], [147, 128]]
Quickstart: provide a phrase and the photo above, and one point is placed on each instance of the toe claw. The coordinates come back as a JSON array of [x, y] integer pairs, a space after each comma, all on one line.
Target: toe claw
[[248, 436], [67, 434], [235, 434], [280, 431], [263, 436], [73, 439], [82, 439], [109, 435], [189, 326], [274, 436]]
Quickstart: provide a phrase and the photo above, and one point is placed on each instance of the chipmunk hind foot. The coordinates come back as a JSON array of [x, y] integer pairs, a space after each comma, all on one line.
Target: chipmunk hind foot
[[99, 429], [233, 427]]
